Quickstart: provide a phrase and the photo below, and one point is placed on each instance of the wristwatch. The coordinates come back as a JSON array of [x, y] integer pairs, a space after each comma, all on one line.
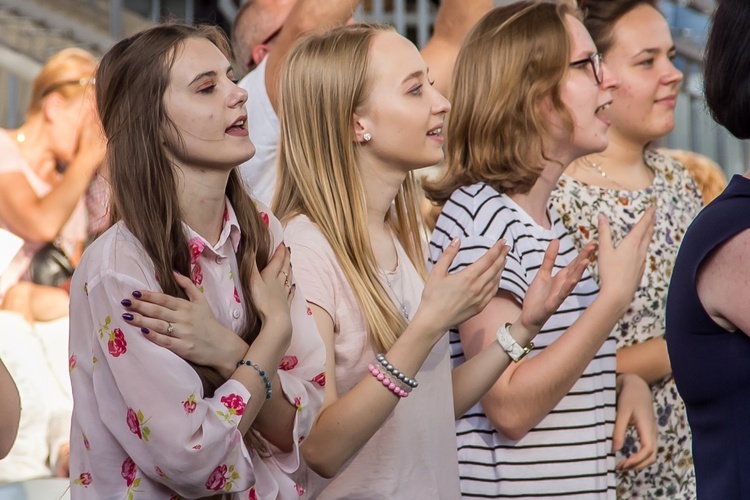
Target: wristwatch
[[509, 344]]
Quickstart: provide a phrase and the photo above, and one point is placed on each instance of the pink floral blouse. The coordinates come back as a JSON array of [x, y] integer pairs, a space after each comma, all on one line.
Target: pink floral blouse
[[141, 426]]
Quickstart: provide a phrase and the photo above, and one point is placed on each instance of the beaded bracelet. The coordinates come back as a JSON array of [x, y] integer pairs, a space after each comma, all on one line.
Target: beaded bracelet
[[396, 373], [387, 382], [260, 372]]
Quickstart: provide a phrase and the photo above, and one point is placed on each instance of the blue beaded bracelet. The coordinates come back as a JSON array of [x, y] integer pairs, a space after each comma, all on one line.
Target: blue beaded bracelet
[[260, 372]]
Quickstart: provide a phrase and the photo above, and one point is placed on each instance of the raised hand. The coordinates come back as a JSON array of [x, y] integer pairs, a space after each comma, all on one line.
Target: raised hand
[[546, 292], [273, 291], [450, 299], [621, 267]]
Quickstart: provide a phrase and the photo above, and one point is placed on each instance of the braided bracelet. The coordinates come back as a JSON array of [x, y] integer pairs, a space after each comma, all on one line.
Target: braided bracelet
[[260, 372], [396, 373], [387, 382]]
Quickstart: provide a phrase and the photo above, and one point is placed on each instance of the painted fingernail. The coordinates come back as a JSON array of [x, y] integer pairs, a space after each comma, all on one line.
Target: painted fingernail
[[127, 316], [177, 272], [137, 294], [126, 302], [146, 331]]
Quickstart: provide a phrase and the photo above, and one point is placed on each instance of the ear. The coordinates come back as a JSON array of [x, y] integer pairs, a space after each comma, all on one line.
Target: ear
[[359, 128], [53, 106], [259, 53]]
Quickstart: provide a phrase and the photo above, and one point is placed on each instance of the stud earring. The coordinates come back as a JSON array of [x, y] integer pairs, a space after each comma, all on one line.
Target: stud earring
[[367, 137]]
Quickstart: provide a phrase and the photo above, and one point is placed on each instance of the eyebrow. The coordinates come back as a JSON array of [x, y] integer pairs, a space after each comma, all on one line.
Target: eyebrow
[[655, 51], [211, 74], [416, 74]]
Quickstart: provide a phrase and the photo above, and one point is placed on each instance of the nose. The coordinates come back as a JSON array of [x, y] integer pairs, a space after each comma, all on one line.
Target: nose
[[237, 96], [440, 105], [610, 80], [672, 75]]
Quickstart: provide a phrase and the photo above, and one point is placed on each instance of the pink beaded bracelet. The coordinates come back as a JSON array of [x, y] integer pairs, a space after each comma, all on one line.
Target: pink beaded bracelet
[[387, 382]]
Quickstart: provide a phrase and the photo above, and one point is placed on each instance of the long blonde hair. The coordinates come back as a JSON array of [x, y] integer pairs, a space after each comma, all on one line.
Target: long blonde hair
[[325, 80], [514, 58], [67, 73]]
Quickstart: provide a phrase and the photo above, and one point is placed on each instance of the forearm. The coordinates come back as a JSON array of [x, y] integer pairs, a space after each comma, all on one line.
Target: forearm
[[344, 427], [649, 360], [526, 394], [474, 378], [10, 411], [275, 420]]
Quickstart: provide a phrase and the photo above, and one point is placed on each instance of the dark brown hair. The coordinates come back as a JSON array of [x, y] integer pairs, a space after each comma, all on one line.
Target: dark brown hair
[[130, 84], [514, 58], [600, 17]]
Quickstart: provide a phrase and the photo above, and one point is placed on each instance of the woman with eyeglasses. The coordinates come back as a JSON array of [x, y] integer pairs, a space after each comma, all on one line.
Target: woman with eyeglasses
[[528, 92], [47, 164], [622, 182]]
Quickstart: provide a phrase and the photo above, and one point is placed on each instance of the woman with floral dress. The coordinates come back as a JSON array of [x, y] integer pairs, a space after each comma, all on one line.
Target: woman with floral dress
[[156, 415], [622, 182]]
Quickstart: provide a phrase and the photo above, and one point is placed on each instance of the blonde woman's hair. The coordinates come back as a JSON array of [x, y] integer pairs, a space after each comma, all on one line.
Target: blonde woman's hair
[[325, 81], [67, 73], [514, 58]]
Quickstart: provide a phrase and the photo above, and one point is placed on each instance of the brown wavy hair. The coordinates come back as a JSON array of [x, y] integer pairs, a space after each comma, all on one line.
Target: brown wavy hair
[[600, 17], [130, 84], [514, 58]]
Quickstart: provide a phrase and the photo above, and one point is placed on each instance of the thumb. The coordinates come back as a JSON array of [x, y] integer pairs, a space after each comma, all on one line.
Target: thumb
[[192, 291], [444, 262]]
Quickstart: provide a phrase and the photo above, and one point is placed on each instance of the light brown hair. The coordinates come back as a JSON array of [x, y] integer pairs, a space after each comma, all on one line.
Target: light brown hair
[[514, 58], [600, 17], [67, 73], [325, 81]]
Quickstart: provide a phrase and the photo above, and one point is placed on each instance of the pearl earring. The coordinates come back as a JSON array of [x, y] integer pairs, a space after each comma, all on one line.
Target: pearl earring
[[367, 137]]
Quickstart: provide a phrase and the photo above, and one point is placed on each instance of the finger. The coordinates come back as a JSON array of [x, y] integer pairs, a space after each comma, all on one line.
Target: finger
[[444, 262], [192, 291], [150, 324], [292, 292], [550, 256], [618, 434], [276, 262], [151, 311], [639, 460], [158, 298], [488, 263], [605, 233], [493, 274], [163, 340], [646, 222]]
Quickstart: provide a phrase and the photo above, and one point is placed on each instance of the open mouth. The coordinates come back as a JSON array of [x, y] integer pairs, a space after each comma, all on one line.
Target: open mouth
[[603, 107], [238, 126], [436, 132]]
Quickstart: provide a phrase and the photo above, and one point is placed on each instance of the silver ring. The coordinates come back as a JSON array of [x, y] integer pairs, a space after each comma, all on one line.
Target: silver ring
[[286, 278], [170, 330]]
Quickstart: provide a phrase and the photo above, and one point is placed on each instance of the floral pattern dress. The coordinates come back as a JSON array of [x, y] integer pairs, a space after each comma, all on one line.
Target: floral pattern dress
[[142, 427], [677, 202]]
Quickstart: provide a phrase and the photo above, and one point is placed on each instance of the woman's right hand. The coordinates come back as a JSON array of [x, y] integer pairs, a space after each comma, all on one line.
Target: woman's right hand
[[621, 267], [273, 290], [450, 299], [92, 143]]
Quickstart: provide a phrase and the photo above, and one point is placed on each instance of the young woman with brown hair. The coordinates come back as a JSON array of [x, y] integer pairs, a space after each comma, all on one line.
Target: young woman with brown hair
[[158, 423]]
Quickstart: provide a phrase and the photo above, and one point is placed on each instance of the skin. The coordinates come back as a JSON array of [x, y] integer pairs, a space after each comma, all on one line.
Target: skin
[[641, 58], [528, 390], [10, 411]]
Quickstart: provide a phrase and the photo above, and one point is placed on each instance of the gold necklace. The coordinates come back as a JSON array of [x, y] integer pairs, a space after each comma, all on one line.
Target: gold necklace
[[604, 175]]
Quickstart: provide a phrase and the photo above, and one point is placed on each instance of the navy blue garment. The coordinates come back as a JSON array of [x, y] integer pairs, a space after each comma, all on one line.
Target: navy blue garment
[[711, 366]]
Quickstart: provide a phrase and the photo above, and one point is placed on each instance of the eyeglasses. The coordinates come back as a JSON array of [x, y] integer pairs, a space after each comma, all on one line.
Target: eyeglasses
[[55, 86], [270, 38], [596, 64]]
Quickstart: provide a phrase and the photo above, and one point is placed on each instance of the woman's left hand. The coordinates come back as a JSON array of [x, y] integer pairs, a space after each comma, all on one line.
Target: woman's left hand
[[188, 328], [635, 407]]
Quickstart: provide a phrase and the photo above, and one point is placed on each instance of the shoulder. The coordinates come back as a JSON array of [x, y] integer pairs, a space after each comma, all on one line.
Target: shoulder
[[273, 224], [12, 160], [116, 250]]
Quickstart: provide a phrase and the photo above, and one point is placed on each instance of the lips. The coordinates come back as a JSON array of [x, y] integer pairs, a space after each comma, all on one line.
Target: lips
[[670, 100], [436, 131], [238, 127]]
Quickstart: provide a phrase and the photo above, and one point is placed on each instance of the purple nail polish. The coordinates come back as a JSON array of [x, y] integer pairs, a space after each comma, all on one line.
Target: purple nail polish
[[146, 331], [126, 302], [127, 316], [137, 294]]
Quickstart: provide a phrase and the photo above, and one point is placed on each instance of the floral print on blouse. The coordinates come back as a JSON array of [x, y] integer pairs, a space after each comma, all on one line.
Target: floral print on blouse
[[141, 427], [677, 201]]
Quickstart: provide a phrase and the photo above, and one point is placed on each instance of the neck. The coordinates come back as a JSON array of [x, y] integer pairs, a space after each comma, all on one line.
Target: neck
[[535, 201], [33, 141], [623, 157], [382, 184], [201, 194]]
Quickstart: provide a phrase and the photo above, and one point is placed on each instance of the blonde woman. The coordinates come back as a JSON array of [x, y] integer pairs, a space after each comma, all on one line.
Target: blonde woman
[[528, 91], [37, 202], [622, 182], [359, 115]]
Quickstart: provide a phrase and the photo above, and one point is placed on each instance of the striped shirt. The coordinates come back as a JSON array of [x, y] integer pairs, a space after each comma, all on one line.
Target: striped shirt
[[568, 454]]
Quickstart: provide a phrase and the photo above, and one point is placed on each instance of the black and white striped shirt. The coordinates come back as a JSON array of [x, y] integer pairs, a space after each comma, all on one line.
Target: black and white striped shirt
[[568, 454]]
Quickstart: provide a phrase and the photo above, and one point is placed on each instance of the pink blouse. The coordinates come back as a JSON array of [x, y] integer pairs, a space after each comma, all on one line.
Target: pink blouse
[[141, 426]]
